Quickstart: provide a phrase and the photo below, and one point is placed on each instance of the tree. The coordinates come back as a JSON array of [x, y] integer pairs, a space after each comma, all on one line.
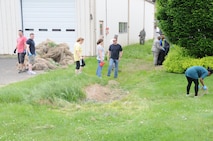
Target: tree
[[188, 23]]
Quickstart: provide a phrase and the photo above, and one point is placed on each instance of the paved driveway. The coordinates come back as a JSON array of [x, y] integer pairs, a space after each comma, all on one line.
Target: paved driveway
[[8, 71]]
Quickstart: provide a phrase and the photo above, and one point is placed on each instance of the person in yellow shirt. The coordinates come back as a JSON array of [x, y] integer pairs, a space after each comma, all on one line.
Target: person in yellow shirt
[[78, 55]]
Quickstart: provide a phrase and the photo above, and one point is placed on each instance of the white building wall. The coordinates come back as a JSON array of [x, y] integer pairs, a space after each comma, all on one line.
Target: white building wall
[[149, 20], [111, 12], [101, 11], [89, 14], [138, 13], [86, 25], [117, 12], [10, 23], [136, 19]]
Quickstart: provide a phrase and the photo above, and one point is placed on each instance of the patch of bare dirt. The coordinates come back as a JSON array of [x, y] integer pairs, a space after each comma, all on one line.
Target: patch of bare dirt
[[108, 93]]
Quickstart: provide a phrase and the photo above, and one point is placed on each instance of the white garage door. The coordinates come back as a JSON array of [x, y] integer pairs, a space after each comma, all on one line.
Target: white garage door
[[50, 19]]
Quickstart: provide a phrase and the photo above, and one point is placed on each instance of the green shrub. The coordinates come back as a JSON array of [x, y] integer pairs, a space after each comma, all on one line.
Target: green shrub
[[178, 60], [188, 24]]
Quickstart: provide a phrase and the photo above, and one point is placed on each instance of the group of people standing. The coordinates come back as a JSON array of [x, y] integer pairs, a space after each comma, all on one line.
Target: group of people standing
[[25, 47], [160, 49], [114, 54]]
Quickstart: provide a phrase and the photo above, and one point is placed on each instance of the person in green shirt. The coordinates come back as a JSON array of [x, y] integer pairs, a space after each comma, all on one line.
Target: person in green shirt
[[193, 74]]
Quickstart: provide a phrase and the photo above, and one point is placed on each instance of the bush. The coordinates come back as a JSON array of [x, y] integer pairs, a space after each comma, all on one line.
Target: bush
[[188, 24], [178, 60]]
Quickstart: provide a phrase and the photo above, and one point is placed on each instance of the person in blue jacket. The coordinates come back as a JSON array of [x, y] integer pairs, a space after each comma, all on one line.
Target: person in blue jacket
[[193, 74]]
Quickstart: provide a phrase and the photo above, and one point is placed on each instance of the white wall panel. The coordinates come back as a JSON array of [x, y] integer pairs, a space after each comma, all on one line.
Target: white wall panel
[[50, 19], [10, 23], [149, 20]]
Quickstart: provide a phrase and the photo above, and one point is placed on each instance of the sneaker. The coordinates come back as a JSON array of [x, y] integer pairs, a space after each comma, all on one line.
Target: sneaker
[[187, 94], [19, 71], [25, 70], [31, 72], [196, 96]]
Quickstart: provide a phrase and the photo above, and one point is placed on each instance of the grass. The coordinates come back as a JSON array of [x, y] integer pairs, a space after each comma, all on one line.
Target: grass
[[50, 106]]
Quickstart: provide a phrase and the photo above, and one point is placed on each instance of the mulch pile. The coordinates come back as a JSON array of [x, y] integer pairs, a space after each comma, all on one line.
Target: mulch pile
[[50, 55]]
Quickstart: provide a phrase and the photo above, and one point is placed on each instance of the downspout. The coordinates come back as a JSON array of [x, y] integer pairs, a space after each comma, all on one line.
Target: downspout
[[90, 30], [106, 40], [95, 34], [144, 14], [22, 19], [128, 36]]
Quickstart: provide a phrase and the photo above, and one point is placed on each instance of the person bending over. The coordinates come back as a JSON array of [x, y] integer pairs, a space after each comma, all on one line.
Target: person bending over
[[193, 74]]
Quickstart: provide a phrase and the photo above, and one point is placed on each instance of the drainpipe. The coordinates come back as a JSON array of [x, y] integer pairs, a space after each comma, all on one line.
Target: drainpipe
[[128, 36], [22, 19], [106, 39], [95, 33], [144, 14]]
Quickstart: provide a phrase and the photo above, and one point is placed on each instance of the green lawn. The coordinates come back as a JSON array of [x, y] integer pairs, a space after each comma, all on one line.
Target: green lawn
[[51, 106]]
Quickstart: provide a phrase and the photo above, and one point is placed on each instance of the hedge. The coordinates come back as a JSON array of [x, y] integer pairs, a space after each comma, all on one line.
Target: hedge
[[178, 60]]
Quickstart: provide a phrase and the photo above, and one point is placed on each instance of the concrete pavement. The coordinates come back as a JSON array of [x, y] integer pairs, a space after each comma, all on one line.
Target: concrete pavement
[[8, 71]]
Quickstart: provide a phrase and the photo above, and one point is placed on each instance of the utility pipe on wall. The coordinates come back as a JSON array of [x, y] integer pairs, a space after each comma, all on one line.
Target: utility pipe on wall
[[128, 36]]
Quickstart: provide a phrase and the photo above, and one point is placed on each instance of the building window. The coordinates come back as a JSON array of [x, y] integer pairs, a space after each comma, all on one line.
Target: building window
[[122, 27]]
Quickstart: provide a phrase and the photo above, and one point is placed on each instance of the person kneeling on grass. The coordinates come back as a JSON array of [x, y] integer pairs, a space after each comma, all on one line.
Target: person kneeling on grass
[[193, 74]]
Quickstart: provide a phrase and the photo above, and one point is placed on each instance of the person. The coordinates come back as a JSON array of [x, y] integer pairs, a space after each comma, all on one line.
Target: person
[[166, 46], [115, 53], [142, 37], [21, 49], [78, 58], [115, 37], [31, 53], [111, 42], [100, 57], [162, 53], [156, 48], [193, 74]]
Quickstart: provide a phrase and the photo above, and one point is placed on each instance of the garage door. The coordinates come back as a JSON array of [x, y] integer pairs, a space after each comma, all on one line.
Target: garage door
[[50, 19]]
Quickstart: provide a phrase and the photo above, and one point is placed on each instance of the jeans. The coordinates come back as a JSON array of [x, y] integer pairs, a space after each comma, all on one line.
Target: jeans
[[99, 69], [111, 61]]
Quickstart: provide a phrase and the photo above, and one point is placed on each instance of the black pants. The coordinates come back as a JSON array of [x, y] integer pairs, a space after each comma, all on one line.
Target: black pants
[[21, 57], [161, 57], [196, 82]]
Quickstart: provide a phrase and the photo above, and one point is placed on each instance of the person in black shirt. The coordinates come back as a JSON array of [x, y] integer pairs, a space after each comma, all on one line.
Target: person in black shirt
[[31, 53], [115, 53]]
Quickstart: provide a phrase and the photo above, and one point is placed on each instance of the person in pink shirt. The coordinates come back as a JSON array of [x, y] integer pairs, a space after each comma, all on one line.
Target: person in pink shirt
[[21, 50]]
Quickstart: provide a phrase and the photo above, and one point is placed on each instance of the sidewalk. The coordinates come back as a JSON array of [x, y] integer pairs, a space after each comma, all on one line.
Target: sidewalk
[[8, 71]]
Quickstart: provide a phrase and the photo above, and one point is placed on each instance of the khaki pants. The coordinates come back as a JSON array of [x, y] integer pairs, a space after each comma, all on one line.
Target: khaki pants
[[155, 55]]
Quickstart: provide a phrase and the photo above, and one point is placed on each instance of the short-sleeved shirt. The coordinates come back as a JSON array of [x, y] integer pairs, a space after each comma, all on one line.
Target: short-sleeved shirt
[[115, 50], [196, 72], [100, 48], [21, 41], [31, 44], [77, 48]]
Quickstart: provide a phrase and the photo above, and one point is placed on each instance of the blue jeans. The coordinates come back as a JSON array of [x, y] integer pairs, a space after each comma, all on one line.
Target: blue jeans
[[99, 69], [111, 61]]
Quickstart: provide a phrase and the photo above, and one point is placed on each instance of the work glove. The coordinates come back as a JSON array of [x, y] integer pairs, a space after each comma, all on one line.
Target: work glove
[[204, 87], [14, 51]]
